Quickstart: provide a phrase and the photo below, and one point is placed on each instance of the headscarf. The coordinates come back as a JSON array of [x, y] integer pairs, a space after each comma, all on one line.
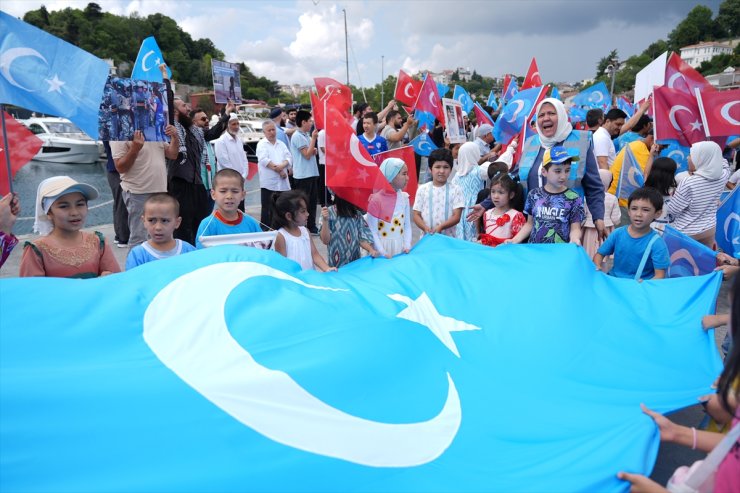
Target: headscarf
[[48, 191], [467, 158], [707, 159], [564, 127], [391, 167]]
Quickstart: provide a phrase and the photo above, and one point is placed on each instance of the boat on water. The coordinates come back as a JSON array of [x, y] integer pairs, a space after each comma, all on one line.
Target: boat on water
[[63, 141]]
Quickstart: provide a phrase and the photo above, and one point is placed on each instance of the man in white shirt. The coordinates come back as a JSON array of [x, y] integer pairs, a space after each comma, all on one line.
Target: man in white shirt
[[273, 160], [230, 149], [604, 149]]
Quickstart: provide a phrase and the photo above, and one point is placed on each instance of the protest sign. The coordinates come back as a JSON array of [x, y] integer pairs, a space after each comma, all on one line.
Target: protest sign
[[226, 83], [454, 121], [129, 105], [652, 75]]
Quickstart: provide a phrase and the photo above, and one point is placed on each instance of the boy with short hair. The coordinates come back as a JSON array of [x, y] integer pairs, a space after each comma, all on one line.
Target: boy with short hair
[[161, 218], [227, 219], [555, 212], [639, 252], [439, 204], [370, 140]]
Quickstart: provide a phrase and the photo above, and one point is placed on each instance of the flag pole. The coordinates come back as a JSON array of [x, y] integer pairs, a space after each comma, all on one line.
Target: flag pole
[[326, 190], [7, 149]]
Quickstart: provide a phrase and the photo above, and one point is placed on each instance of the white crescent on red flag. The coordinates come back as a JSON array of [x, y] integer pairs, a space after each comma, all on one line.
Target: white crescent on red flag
[[23, 144], [533, 78], [428, 99], [677, 116], [720, 112], [405, 153], [407, 88], [680, 76], [335, 94]]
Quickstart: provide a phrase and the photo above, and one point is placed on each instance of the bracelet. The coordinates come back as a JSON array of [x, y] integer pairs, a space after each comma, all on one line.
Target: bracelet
[[693, 445]]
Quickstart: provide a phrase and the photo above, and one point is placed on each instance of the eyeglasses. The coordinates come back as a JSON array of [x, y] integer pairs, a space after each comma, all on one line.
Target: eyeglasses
[[203, 119]]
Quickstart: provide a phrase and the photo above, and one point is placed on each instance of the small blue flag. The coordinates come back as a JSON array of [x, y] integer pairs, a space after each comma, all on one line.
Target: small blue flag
[[624, 105], [148, 61], [596, 96], [516, 113], [425, 119], [509, 92], [43, 73], [423, 144], [492, 101], [442, 89], [204, 372], [630, 176], [624, 139], [688, 256], [728, 224], [461, 95], [577, 114], [678, 153], [555, 93]]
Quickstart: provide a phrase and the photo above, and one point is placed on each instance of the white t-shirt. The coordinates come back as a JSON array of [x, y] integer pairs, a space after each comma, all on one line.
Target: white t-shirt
[[735, 177], [604, 146], [321, 144], [437, 204]]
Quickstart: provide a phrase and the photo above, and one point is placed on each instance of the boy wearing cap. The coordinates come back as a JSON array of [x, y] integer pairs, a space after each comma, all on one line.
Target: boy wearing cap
[[554, 211]]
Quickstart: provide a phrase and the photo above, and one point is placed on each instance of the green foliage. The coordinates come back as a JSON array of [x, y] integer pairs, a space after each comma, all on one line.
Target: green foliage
[[728, 18], [696, 27], [605, 62]]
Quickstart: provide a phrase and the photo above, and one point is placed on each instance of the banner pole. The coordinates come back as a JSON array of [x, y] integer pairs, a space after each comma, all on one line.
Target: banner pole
[[7, 149]]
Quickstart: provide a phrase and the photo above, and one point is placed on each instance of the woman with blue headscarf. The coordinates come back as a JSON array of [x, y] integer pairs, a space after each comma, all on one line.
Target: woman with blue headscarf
[[389, 213]]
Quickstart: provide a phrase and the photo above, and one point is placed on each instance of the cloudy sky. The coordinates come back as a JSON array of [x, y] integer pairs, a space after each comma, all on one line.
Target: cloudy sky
[[294, 41]]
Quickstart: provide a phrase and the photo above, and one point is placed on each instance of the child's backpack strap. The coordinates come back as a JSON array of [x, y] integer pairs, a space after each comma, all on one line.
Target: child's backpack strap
[[101, 237], [645, 256]]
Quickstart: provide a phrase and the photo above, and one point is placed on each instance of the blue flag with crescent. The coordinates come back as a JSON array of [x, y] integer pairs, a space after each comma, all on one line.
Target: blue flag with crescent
[[43, 73], [464, 98], [509, 92], [515, 114], [630, 176], [688, 256], [230, 369], [624, 105], [555, 93], [577, 114], [425, 119], [148, 61], [442, 89], [492, 100], [596, 96], [423, 144], [728, 224], [677, 152]]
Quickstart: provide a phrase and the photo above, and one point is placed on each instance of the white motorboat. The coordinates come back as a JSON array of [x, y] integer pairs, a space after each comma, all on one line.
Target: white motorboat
[[63, 141]]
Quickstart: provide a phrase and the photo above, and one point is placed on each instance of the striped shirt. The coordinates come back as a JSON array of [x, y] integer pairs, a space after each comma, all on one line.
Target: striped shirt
[[693, 208]]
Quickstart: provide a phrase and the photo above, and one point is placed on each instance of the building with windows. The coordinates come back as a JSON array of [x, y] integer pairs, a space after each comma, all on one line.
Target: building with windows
[[694, 55]]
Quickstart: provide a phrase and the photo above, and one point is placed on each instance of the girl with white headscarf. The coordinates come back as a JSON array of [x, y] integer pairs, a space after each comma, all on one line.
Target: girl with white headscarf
[[468, 178], [693, 208]]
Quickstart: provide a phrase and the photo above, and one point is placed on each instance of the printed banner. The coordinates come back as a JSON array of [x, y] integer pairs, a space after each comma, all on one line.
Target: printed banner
[[129, 105], [226, 82]]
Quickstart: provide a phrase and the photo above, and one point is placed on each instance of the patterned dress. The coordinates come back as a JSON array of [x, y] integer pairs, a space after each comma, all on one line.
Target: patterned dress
[[470, 185], [346, 235], [391, 237]]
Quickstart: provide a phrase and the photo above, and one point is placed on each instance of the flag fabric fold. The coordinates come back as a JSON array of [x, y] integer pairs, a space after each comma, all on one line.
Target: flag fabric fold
[[517, 113], [43, 73], [147, 62], [680, 76], [533, 78], [720, 112], [510, 90], [728, 224], [335, 94], [624, 105], [388, 375], [492, 100], [688, 256], [423, 144], [596, 96], [676, 116], [23, 144], [481, 116], [630, 176], [429, 100], [461, 95]]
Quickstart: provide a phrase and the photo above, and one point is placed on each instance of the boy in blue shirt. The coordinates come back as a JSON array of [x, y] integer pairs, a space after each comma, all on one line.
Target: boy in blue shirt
[[370, 140], [639, 252], [227, 219]]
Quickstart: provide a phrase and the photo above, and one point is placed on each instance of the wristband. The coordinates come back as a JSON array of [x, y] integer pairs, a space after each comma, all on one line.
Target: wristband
[[693, 445]]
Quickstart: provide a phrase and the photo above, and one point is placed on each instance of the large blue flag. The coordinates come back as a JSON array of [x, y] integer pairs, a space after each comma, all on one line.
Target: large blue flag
[[148, 61], [728, 224], [43, 73], [516, 113], [596, 96], [688, 256], [464, 98], [630, 176], [492, 100], [678, 153], [229, 369], [423, 144]]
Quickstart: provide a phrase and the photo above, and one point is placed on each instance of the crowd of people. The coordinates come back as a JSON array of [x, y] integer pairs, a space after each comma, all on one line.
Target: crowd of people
[[561, 189]]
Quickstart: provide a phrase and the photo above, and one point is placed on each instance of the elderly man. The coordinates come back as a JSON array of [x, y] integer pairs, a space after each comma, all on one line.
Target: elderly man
[[230, 148], [483, 140], [277, 115], [273, 160]]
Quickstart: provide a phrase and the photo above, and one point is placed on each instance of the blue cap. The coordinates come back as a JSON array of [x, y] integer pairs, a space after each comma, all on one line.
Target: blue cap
[[557, 155]]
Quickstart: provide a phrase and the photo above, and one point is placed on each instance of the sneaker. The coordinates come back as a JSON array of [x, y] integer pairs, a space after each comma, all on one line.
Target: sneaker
[[121, 245]]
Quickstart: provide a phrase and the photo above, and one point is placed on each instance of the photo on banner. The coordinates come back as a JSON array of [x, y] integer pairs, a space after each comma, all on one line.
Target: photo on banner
[[226, 82], [454, 121], [129, 105]]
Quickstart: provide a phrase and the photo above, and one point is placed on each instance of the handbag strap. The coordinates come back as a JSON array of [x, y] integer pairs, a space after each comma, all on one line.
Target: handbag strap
[[645, 256], [697, 478]]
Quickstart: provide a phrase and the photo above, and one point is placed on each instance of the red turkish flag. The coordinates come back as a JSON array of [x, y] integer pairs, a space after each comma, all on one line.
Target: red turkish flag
[[407, 88], [350, 171], [23, 145], [481, 116], [677, 116], [317, 110], [720, 112], [533, 78], [405, 153], [680, 76], [428, 99], [334, 93]]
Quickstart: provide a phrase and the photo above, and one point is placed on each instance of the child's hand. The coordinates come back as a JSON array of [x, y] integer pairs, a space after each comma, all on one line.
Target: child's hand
[[325, 212], [331, 269], [668, 429], [712, 321], [105, 273], [640, 483], [406, 250], [388, 256], [476, 213], [374, 253], [437, 229], [509, 242], [576, 241]]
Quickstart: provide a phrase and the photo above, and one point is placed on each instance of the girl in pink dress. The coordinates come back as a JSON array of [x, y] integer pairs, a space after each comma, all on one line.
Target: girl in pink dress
[[502, 222]]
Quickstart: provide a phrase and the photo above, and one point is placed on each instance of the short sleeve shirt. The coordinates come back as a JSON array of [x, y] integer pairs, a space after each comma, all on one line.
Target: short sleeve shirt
[[302, 167], [436, 204], [553, 213], [378, 144], [603, 145], [628, 252]]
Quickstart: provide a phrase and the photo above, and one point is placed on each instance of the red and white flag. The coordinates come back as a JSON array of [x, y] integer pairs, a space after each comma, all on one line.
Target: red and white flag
[[350, 171], [317, 109], [481, 116], [24, 145], [405, 153], [533, 78], [428, 99], [677, 116], [680, 76], [720, 112], [335, 94], [407, 88]]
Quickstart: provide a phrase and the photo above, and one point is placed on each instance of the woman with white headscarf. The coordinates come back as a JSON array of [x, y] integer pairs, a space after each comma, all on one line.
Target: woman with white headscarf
[[693, 208], [468, 178], [553, 128]]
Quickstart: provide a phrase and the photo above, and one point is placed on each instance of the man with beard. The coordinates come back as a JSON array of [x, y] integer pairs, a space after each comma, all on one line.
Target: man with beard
[[184, 172], [230, 150], [208, 161], [290, 124], [395, 129]]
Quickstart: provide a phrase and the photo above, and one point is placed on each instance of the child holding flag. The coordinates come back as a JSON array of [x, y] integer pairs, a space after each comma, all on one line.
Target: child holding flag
[[393, 236]]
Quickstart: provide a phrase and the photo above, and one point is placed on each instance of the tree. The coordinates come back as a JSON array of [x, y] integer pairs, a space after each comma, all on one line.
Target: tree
[[728, 18], [605, 62], [697, 26], [93, 12]]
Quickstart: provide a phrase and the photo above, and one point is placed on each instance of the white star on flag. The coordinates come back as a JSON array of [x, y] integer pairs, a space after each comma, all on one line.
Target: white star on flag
[[55, 84], [696, 125], [362, 175]]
